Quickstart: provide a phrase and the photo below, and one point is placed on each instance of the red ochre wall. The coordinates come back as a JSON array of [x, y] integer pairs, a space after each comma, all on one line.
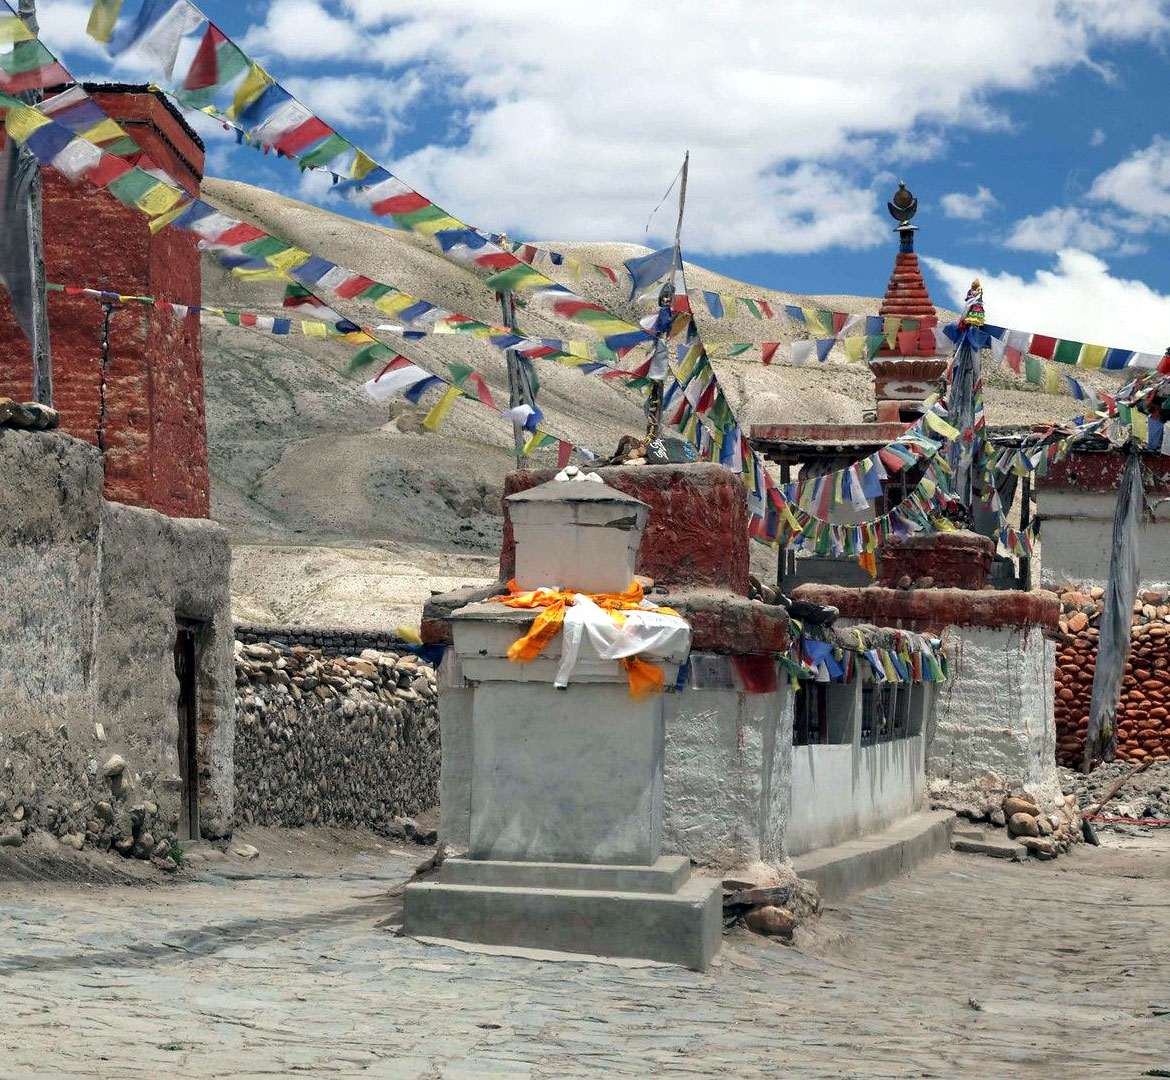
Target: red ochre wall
[[155, 429]]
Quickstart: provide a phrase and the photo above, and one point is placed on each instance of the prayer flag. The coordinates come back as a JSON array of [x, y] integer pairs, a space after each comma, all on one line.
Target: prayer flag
[[441, 408]]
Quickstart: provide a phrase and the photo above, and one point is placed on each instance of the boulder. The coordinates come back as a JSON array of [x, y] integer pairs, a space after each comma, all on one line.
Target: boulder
[[1023, 825], [771, 921], [1013, 805]]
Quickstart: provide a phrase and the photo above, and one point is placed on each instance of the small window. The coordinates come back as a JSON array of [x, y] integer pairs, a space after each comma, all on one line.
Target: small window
[[878, 702], [885, 712], [810, 714]]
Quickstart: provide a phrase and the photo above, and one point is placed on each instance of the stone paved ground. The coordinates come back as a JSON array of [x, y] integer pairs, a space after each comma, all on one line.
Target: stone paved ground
[[273, 972]]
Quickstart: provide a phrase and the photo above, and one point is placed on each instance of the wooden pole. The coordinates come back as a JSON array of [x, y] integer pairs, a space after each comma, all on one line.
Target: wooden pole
[[41, 357], [655, 425], [515, 398]]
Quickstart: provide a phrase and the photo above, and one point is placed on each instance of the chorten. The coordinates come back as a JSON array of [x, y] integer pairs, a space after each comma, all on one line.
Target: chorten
[[907, 370]]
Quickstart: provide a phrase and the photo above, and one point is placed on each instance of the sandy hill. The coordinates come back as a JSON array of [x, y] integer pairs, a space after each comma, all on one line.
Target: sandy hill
[[344, 512]]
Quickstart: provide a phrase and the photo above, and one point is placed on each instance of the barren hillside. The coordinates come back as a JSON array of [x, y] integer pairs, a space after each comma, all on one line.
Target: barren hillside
[[344, 512]]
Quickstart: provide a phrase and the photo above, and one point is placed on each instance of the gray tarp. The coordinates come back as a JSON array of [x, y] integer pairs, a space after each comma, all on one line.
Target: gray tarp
[[1116, 619]]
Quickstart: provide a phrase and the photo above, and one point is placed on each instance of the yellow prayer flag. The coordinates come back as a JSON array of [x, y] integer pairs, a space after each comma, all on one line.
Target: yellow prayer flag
[[1091, 356], [13, 30], [164, 219], [158, 200], [937, 424], [729, 305], [23, 121], [286, 260], [854, 348], [812, 320], [928, 487], [314, 328], [442, 407], [255, 83], [363, 165], [429, 228], [269, 273], [102, 19], [581, 349], [394, 302], [1140, 423], [106, 131], [1051, 381]]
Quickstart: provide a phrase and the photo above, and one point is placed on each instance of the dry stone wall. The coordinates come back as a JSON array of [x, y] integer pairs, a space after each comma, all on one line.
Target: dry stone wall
[[333, 740], [1143, 714]]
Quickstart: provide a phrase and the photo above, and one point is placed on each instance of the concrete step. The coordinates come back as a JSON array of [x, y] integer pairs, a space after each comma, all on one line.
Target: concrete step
[[684, 928], [998, 847], [874, 859], [667, 875]]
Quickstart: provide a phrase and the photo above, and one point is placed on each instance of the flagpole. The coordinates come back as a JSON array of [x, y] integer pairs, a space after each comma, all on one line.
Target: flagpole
[[41, 357], [508, 307], [655, 431]]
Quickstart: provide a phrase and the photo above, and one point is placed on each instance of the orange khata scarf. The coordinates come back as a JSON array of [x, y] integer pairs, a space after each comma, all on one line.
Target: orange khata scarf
[[645, 679]]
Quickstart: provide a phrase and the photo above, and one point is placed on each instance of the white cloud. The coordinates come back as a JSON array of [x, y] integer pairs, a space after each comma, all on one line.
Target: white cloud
[[1097, 138], [1062, 227], [1127, 201], [570, 118], [302, 30], [1140, 183], [973, 207], [1079, 298], [358, 100], [544, 159]]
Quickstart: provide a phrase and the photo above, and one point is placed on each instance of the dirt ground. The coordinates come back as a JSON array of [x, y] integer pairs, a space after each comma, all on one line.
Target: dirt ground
[[292, 963]]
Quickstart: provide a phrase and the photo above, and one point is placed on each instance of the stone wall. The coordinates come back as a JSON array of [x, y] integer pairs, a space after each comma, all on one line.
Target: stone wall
[[1143, 713], [89, 726], [331, 640], [342, 741]]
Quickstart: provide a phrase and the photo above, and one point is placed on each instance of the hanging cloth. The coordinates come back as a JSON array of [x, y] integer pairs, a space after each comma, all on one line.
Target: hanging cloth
[[1117, 618], [619, 626]]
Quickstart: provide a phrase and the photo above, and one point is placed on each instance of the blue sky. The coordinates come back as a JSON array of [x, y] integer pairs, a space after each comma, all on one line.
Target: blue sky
[[1033, 132]]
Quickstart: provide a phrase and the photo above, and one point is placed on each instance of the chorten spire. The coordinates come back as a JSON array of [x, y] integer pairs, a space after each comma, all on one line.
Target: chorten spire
[[906, 295]]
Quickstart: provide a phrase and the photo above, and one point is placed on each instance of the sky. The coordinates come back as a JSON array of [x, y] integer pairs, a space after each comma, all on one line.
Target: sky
[[1033, 133]]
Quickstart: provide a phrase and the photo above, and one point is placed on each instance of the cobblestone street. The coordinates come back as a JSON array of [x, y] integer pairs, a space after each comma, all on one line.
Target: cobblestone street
[[969, 968]]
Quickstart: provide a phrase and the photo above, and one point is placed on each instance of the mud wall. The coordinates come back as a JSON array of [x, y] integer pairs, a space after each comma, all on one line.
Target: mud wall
[[89, 725]]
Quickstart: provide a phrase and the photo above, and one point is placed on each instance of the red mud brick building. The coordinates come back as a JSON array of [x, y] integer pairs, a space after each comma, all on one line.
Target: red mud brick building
[[146, 410]]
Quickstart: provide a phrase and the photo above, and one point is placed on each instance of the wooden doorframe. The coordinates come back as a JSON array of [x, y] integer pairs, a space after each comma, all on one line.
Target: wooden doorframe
[[188, 641]]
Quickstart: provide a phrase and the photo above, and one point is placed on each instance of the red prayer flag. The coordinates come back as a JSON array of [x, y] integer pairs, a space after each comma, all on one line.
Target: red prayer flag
[[1042, 346], [758, 672], [303, 135], [356, 285], [401, 204], [564, 453], [768, 350], [204, 70]]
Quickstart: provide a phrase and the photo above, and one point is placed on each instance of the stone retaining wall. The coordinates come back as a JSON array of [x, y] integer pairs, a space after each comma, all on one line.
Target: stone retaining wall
[[1143, 714], [333, 740], [332, 641]]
